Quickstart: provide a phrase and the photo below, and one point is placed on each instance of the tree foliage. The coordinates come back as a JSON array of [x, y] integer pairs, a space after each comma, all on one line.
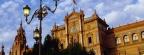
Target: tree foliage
[[51, 47], [75, 49]]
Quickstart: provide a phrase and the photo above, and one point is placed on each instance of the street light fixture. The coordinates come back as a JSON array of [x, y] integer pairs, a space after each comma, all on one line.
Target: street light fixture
[[26, 11], [40, 14], [36, 34]]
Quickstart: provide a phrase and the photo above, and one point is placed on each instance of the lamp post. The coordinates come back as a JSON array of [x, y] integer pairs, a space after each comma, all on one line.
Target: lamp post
[[40, 14]]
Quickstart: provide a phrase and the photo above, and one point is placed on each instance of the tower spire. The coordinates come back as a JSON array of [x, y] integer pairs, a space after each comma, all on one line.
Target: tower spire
[[55, 25], [95, 10], [2, 47], [21, 23], [36, 26], [73, 10]]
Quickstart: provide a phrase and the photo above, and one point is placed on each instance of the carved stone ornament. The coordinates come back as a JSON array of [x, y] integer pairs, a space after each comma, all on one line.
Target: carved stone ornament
[[122, 51], [141, 48]]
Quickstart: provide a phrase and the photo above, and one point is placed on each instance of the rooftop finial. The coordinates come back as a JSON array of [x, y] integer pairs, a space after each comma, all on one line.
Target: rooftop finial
[[81, 10], [94, 11], [73, 10], [55, 24], [21, 23], [36, 26], [104, 19], [2, 47], [67, 13], [95, 14]]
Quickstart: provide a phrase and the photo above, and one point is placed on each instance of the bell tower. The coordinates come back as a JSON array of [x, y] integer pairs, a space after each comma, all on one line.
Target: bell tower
[[20, 38], [19, 46]]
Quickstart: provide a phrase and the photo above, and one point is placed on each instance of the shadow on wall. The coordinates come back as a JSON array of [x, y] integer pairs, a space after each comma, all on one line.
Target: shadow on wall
[[111, 43]]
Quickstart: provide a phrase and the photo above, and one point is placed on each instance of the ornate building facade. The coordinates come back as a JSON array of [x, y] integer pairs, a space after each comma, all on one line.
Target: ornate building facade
[[95, 34], [127, 39], [19, 47]]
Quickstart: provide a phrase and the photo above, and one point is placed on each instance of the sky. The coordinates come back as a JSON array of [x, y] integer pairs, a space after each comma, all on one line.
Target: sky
[[115, 12]]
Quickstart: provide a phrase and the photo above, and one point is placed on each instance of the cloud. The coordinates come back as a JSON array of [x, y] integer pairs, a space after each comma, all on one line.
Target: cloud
[[124, 11], [64, 7], [115, 16], [135, 9], [19, 1], [33, 2], [65, 3], [9, 7], [7, 37], [7, 34], [6, 4], [10, 17], [89, 12], [114, 11], [100, 7]]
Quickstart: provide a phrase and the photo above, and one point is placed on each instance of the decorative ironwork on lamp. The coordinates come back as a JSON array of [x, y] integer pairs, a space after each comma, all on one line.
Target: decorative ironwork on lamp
[[40, 14]]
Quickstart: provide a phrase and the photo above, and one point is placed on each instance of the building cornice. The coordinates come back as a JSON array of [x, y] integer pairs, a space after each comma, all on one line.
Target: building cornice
[[128, 26]]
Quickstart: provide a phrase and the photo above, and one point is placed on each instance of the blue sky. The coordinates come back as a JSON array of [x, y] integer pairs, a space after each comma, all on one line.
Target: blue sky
[[115, 12]]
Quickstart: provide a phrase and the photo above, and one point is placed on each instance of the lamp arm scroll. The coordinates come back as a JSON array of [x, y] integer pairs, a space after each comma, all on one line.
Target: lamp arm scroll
[[35, 13], [49, 9]]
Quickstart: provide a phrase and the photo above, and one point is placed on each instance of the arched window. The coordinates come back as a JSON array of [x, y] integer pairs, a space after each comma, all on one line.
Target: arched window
[[126, 39], [75, 41], [75, 38], [142, 34], [118, 41], [16, 43], [61, 46], [135, 37], [89, 40]]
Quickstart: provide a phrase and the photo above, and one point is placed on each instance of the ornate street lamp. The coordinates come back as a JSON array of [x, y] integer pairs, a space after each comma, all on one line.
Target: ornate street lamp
[[36, 34], [40, 14], [26, 11]]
